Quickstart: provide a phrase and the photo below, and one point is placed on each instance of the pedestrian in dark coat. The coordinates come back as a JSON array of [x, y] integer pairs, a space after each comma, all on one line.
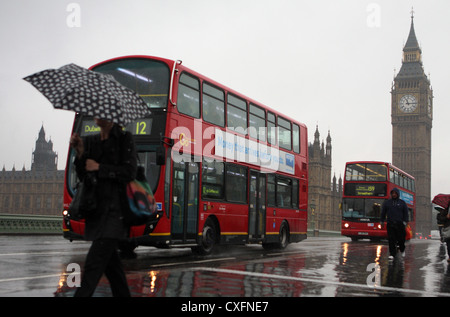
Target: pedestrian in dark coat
[[108, 159], [443, 218], [396, 211]]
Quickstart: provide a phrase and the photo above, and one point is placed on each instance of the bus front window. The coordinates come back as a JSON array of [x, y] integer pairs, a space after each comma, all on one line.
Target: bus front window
[[366, 172], [149, 78], [362, 208], [147, 159]]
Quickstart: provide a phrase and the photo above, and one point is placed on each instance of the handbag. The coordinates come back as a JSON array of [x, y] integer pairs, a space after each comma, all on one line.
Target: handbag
[[408, 232], [446, 232], [84, 201], [142, 207]]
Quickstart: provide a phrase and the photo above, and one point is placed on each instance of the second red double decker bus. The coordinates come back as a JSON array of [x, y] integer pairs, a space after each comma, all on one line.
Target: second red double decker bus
[[367, 185], [224, 168]]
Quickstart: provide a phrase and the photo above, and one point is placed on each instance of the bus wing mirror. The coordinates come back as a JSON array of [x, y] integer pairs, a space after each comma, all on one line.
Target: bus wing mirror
[[160, 155], [161, 152]]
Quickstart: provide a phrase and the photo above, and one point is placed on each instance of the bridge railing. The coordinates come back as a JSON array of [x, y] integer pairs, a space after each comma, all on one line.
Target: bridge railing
[[30, 224]]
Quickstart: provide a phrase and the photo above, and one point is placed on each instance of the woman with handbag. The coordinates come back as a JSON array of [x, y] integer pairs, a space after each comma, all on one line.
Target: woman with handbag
[[108, 160]]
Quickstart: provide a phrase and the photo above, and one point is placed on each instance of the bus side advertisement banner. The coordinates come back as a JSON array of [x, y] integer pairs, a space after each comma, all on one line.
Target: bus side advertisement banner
[[240, 149], [407, 197]]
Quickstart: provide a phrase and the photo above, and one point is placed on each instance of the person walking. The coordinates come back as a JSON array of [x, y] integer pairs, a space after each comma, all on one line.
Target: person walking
[[396, 212], [443, 219], [109, 160]]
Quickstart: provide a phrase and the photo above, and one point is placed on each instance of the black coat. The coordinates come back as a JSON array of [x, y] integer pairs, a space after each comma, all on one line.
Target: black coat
[[442, 219], [118, 165], [395, 210]]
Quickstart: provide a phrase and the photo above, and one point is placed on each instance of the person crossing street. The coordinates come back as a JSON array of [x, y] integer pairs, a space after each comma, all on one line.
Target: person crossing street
[[395, 212]]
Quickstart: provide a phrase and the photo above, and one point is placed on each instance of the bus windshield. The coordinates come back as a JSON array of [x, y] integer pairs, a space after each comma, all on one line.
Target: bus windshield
[[146, 158], [368, 209], [149, 78], [366, 172]]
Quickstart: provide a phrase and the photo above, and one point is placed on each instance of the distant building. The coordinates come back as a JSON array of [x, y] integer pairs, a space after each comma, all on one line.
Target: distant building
[[38, 191], [412, 121], [324, 194]]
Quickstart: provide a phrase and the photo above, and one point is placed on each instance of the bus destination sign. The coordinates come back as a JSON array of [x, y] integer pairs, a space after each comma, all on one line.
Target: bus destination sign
[[138, 127], [361, 189]]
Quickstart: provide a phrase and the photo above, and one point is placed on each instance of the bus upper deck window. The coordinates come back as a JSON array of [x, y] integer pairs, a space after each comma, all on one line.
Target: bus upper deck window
[[189, 96]]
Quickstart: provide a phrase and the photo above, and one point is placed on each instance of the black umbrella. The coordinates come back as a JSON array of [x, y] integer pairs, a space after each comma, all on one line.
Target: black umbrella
[[75, 88]]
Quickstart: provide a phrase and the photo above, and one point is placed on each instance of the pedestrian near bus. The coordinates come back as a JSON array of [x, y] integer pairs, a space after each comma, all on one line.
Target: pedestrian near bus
[[110, 158], [395, 212], [443, 218]]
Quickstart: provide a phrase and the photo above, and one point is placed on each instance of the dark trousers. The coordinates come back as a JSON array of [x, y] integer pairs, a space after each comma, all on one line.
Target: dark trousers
[[447, 242], [396, 235], [103, 258]]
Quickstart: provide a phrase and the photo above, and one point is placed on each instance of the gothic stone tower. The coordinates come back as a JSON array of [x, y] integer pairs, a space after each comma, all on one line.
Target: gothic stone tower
[[43, 156], [412, 115], [319, 181]]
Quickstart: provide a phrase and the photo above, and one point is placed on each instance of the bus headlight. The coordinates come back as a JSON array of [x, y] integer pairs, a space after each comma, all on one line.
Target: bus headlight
[[346, 225], [379, 226], [65, 213]]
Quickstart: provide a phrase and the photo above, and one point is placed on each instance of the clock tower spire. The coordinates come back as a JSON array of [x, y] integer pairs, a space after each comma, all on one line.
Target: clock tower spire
[[412, 115]]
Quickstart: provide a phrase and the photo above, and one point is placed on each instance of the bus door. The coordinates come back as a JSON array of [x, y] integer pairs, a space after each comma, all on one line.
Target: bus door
[[257, 206], [185, 201]]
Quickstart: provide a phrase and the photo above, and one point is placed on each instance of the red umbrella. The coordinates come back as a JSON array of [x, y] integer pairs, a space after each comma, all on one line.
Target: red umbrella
[[442, 200]]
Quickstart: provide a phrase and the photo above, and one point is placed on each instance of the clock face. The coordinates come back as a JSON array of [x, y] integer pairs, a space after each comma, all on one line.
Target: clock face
[[408, 103]]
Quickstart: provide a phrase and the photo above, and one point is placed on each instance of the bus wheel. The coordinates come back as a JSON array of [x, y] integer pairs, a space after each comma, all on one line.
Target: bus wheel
[[209, 239], [283, 239], [284, 236]]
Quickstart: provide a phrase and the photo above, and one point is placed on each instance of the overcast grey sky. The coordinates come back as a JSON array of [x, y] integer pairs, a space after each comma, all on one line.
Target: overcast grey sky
[[325, 62]]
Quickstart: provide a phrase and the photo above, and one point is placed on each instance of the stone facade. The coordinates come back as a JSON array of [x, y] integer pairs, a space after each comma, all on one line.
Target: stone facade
[[38, 191], [412, 116], [323, 199]]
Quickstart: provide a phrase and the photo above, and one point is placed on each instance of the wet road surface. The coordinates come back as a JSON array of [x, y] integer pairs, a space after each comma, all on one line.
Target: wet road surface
[[332, 267]]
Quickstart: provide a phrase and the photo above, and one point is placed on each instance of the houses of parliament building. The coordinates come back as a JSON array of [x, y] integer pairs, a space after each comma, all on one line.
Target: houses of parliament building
[[38, 191]]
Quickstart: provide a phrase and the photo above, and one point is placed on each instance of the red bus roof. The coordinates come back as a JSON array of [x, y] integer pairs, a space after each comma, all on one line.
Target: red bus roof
[[380, 162]]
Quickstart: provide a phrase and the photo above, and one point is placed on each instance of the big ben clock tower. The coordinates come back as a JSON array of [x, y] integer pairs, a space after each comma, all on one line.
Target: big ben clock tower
[[412, 115]]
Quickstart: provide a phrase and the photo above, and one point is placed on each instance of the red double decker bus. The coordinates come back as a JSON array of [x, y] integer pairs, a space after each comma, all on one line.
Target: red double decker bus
[[224, 168], [366, 186]]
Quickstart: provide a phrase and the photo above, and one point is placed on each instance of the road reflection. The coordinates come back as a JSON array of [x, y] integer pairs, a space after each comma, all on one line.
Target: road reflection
[[332, 268]]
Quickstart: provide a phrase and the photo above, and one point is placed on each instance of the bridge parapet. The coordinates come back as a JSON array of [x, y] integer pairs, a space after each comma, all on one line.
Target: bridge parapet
[[30, 224]]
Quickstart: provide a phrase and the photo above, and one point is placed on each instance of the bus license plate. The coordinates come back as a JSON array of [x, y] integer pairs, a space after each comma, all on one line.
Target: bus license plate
[[363, 233]]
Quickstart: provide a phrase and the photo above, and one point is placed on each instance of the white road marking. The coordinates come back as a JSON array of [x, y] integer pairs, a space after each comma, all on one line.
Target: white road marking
[[191, 262], [311, 280], [14, 279]]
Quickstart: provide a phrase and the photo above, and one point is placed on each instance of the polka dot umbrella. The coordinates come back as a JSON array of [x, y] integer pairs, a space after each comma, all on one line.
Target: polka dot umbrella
[[75, 88]]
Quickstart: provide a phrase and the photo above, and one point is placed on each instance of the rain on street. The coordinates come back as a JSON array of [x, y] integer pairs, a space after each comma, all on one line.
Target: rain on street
[[46, 266]]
